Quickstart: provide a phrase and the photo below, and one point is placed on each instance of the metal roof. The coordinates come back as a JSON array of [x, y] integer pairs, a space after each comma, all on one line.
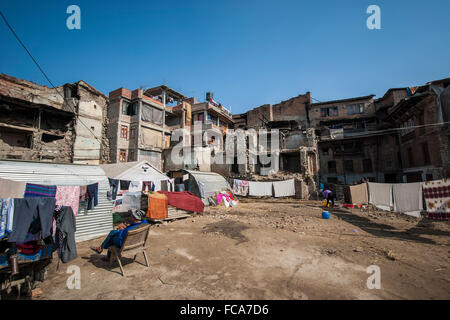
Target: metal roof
[[97, 221]]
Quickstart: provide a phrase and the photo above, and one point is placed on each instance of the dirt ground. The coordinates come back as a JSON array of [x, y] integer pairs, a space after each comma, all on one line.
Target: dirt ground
[[272, 249]]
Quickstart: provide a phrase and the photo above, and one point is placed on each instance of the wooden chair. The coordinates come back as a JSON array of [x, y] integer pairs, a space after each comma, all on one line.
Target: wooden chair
[[135, 242]]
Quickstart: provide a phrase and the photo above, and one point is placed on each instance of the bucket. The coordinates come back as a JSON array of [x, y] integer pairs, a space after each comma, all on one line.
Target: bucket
[[325, 215]]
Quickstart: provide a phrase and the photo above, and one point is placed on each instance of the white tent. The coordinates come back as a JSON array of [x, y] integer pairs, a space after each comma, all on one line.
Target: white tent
[[135, 171]]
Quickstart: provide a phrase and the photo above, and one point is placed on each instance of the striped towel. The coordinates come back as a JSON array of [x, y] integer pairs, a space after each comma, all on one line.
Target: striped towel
[[37, 190]]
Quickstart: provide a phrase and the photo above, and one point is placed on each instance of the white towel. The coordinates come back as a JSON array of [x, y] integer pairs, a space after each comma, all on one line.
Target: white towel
[[408, 198], [381, 195], [284, 188], [260, 189]]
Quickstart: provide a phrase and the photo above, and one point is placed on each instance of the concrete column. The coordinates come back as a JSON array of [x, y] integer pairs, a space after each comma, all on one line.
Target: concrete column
[[163, 119]]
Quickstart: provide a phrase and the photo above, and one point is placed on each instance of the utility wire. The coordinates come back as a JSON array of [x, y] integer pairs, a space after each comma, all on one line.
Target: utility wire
[[45, 75]]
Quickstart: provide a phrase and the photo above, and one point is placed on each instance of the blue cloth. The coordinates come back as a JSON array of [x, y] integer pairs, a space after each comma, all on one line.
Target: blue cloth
[[114, 184], [92, 191], [116, 237], [4, 203]]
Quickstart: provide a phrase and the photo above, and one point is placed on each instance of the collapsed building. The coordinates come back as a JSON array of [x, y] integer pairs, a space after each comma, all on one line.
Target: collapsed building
[[63, 125]]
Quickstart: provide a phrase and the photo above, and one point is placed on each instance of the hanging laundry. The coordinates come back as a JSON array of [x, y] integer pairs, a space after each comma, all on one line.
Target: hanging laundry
[[4, 203], [380, 195], [124, 185], [114, 185], [359, 194], [347, 195], [83, 193], [147, 186], [68, 196], [27, 210], [437, 199], [37, 190], [240, 187], [284, 188], [408, 198], [135, 186], [10, 219], [65, 234], [92, 191], [11, 189], [260, 189]]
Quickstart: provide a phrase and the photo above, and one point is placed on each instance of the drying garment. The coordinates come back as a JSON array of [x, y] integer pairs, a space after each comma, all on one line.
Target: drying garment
[[65, 235], [27, 210], [83, 193], [284, 188], [37, 190], [4, 204], [92, 191], [10, 219], [437, 199], [380, 195], [135, 186], [114, 185], [260, 189], [347, 194], [359, 194], [131, 201], [240, 187], [146, 186], [68, 196], [124, 185], [408, 198], [11, 189], [185, 200]]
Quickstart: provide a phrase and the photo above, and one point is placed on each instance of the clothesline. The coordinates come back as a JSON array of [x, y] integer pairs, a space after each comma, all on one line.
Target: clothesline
[[433, 197], [277, 189]]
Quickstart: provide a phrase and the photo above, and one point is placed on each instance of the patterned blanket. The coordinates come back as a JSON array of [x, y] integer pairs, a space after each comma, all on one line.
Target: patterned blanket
[[437, 199]]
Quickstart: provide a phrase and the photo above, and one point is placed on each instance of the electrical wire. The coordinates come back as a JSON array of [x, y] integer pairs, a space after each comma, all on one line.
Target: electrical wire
[[45, 75]]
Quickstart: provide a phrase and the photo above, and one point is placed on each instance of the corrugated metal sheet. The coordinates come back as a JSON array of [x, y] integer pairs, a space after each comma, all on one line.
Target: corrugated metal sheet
[[97, 221]]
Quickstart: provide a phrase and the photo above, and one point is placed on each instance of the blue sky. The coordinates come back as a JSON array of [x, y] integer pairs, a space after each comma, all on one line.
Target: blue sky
[[247, 52]]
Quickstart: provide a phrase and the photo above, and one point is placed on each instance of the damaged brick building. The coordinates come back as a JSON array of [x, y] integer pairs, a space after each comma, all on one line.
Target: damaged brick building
[[39, 124]]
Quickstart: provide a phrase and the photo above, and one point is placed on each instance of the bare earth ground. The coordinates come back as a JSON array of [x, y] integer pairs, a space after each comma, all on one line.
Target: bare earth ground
[[272, 249]]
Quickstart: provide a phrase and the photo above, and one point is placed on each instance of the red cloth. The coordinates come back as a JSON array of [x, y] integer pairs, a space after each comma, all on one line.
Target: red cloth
[[184, 200], [30, 247]]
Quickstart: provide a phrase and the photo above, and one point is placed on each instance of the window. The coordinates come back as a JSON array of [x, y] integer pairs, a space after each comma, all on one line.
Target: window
[[329, 112], [130, 109], [132, 133], [125, 107], [367, 165], [331, 166], [410, 157], [131, 155], [124, 132], [408, 127], [348, 165], [151, 114], [355, 108], [426, 154], [123, 156]]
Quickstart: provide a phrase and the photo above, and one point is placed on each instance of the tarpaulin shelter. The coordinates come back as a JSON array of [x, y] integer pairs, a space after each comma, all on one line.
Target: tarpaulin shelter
[[200, 183]]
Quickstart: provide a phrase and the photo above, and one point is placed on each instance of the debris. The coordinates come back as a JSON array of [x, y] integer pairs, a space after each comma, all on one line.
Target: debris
[[358, 249], [390, 255], [36, 292], [355, 231]]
